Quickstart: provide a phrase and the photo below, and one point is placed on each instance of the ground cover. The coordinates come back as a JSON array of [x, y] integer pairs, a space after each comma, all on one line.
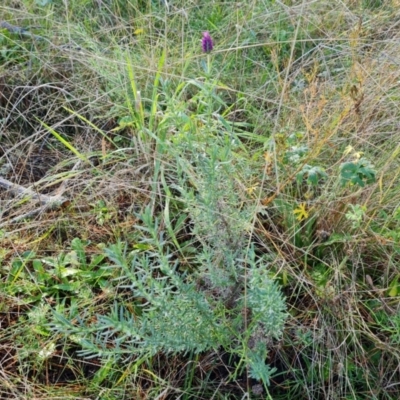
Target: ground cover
[[186, 216]]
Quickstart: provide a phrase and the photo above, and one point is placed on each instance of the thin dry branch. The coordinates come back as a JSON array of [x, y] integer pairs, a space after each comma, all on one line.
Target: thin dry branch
[[48, 201]]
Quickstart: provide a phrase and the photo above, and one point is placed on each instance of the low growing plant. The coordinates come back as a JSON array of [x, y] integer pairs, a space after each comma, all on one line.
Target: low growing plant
[[165, 310]]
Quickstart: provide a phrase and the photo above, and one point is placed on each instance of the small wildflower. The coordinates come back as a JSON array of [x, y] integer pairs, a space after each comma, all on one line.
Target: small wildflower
[[301, 212], [252, 189], [349, 149], [207, 42], [47, 351]]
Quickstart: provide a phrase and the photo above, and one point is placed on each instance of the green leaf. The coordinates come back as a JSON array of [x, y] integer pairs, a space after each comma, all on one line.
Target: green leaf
[[258, 369], [358, 172], [65, 142], [394, 287], [41, 274], [67, 286], [79, 246], [96, 260]]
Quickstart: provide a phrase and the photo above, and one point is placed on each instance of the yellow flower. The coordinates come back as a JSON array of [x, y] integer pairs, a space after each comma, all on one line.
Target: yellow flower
[[349, 149], [301, 212], [251, 190], [358, 155]]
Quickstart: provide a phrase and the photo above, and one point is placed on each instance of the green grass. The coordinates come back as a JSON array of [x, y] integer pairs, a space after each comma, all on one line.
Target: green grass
[[227, 225]]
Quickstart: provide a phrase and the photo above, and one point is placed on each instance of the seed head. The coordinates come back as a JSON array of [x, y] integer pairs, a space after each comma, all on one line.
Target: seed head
[[207, 42]]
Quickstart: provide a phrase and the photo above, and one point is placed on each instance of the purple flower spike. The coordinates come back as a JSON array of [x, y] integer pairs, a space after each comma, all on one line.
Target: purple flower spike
[[207, 42]]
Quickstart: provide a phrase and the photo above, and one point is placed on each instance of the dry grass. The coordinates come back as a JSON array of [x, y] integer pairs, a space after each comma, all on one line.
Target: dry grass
[[327, 72]]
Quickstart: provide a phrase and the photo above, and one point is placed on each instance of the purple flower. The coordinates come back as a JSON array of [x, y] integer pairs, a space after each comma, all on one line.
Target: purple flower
[[206, 42]]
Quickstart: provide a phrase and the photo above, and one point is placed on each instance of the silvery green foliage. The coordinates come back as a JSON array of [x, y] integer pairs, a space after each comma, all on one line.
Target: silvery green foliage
[[220, 223], [174, 316], [229, 269], [266, 302], [217, 218], [176, 312], [179, 322], [258, 369]]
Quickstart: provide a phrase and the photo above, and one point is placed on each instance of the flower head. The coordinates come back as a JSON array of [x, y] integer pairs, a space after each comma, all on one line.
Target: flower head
[[301, 212], [207, 42]]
